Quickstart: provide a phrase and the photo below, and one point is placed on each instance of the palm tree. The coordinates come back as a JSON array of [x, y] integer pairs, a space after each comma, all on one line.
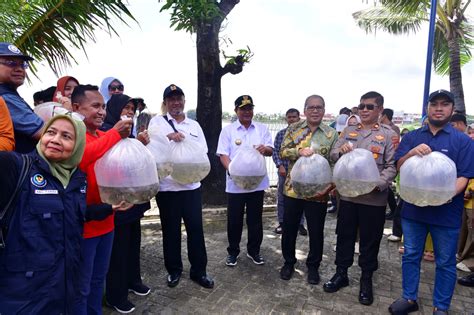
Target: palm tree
[[48, 29], [453, 35]]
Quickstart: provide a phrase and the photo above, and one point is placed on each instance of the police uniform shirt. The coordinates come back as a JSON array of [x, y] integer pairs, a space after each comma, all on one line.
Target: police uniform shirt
[[381, 140], [459, 148], [233, 137], [189, 128]]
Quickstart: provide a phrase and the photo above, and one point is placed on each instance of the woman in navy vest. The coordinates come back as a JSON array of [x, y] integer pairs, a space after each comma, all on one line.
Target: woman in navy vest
[[40, 257]]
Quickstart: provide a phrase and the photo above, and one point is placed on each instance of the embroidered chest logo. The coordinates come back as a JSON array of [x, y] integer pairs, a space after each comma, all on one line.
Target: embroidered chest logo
[[38, 180], [83, 189]]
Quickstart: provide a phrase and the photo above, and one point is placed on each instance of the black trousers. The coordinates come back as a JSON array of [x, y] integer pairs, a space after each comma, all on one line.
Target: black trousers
[[391, 200], [315, 213], [397, 219], [124, 268], [186, 205], [238, 204], [370, 222]]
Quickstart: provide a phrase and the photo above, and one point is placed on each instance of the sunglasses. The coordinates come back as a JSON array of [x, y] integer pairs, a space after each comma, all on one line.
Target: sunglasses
[[14, 64], [368, 106], [59, 110], [116, 88]]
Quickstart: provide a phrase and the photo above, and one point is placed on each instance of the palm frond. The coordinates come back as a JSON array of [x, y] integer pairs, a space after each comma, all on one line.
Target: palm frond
[[383, 18], [48, 29]]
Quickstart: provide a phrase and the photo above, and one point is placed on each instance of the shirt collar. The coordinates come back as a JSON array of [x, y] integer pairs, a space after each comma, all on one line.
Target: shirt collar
[[185, 121], [447, 128], [325, 129], [240, 126]]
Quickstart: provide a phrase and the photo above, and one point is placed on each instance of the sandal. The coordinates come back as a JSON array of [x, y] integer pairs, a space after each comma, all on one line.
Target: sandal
[[429, 256], [403, 306]]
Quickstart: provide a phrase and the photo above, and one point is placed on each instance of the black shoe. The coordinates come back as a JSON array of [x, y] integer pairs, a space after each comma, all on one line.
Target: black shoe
[[467, 281], [339, 280], [231, 260], [313, 276], [124, 307], [204, 281], [331, 209], [286, 272], [173, 279], [366, 296], [140, 289], [402, 306], [257, 259], [278, 229], [302, 230]]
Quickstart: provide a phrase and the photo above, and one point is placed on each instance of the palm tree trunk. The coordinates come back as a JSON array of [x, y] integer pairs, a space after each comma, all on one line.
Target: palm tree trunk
[[455, 76]]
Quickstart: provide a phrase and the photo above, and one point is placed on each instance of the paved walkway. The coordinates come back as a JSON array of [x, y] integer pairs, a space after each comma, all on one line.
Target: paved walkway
[[252, 289]]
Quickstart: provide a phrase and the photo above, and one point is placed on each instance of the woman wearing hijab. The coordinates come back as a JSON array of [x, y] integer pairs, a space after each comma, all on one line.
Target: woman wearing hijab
[[124, 269], [64, 89], [40, 257], [109, 87]]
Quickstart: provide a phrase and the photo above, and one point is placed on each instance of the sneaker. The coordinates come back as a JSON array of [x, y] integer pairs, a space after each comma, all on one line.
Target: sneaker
[[257, 259], [394, 238], [302, 230], [331, 209], [231, 260], [278, 229], [124, 307], [461, 266], [356, 248], [140, 289]]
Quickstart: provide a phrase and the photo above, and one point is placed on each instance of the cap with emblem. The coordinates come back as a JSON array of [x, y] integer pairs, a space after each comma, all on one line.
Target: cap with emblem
[[10, 50], [243, 100], [444, 93], [172, 90]]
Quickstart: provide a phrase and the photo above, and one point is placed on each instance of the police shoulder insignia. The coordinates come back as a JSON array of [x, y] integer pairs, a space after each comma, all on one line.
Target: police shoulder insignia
[[38, 180]]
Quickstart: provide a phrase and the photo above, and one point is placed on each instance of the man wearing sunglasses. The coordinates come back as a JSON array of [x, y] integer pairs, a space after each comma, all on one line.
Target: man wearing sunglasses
[[365, 213], [26, 124]]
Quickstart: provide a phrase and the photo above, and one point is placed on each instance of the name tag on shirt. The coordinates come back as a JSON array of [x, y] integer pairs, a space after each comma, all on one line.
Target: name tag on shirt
[[46, 192]]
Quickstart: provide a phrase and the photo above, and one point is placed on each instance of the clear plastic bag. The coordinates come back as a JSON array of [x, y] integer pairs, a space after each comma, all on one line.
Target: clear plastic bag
[[127, 172], [356, 173], [247, 169], [160, 147], [310, 175], [45, 110], [429, 180], [190, 161]]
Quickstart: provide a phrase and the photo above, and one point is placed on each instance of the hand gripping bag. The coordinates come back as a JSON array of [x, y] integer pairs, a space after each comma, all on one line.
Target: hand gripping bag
[[160, 147], [310, 175], [127, 172], [429, 180], [356, 173], [247, 169], [190, 161]]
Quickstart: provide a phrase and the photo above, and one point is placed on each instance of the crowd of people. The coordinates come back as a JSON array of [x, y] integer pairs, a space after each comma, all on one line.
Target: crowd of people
[[61, 247]]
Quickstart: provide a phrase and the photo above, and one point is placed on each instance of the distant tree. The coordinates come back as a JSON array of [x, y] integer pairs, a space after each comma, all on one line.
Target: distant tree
[[48, 29], [191, 113], [453, 36], [204, 18]]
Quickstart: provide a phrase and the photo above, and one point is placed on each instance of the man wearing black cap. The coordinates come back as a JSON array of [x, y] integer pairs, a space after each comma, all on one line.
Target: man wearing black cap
[[26, 124], [181, 201], [443, 222], [243, 132]]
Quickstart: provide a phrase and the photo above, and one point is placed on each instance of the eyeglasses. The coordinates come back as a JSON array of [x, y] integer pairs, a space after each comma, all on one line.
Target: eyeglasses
[[14, 64], [368, 106], [315, 108], [59, 110], [116, 88]]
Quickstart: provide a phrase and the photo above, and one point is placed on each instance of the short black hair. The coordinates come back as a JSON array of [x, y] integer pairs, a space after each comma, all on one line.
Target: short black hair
[[80, 92], [345, 110], [388, 112], [45, 95], [372, 94], [458, 117], [292, 110]]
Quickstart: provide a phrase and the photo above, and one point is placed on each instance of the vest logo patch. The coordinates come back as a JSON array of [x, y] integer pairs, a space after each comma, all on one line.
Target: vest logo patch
[[38, 180], [83, 189]]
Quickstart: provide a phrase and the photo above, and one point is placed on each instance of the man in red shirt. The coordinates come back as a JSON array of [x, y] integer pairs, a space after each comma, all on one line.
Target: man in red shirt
[[99, 225]]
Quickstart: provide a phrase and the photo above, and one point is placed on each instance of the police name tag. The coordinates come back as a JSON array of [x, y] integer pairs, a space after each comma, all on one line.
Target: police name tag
[[46, 192]]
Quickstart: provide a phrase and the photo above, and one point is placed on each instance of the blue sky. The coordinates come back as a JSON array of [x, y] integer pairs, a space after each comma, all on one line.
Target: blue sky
[[301, 47]]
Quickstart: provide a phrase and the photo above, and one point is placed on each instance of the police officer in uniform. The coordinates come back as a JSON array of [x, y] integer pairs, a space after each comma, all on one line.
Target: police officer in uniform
[[365, 213]]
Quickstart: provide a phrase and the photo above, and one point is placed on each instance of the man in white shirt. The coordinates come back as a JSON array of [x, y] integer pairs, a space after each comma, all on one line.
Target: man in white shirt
[[177, 201], [242, 132]]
